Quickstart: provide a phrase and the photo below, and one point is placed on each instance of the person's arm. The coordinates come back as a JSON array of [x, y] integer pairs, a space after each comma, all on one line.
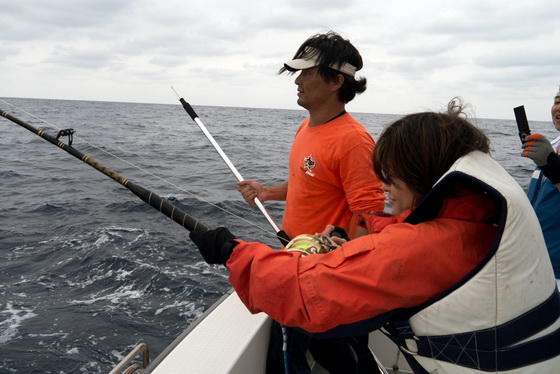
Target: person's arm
[[361, 279], [361, 186], [251, 189], [538, 148], [355, 229]]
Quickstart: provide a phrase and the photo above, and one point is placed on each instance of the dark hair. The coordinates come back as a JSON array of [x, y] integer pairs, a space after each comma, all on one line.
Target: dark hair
[[334, 50], [419, 148]]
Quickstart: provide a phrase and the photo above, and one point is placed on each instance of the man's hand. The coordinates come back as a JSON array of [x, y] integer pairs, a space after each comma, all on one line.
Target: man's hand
[[250, 189], [537, 148]]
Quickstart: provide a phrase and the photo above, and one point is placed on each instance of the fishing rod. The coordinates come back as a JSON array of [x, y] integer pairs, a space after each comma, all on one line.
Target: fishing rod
[[226, 159], [157, 202]]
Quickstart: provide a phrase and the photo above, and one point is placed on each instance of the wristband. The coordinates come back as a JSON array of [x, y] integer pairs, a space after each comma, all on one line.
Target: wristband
[[227, 249], [552, 169]]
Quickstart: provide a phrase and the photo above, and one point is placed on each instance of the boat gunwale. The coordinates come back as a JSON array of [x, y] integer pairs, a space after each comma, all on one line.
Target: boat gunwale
[[159, 358]]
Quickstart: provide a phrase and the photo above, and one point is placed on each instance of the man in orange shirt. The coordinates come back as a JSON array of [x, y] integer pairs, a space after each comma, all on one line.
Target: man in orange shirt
[[330, 179]]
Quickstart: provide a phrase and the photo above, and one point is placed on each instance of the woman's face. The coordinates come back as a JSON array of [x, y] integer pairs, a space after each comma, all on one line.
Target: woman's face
[[400, 196]]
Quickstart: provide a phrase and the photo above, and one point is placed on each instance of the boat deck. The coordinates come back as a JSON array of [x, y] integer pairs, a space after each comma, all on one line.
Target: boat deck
[[229, 339]]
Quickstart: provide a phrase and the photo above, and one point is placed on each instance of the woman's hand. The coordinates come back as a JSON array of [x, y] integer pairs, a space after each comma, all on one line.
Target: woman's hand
[[337, 234]]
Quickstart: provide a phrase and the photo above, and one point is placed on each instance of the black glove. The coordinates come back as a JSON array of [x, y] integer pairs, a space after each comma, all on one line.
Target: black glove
[[215, 245]]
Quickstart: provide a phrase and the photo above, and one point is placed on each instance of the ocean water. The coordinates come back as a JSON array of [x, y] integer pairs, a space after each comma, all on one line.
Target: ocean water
[[88, 270]]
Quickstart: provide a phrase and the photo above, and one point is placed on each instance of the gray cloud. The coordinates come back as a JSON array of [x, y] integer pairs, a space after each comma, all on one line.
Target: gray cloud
[[415, 53]]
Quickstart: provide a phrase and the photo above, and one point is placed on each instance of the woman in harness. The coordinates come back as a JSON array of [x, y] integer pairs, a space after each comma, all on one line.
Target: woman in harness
[[458, 277]]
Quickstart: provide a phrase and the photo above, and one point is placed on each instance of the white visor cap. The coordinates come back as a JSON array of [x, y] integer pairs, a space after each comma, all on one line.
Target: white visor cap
[[311, 59]]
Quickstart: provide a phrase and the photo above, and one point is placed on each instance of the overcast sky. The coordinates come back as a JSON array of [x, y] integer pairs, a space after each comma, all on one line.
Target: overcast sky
[[496, 54]]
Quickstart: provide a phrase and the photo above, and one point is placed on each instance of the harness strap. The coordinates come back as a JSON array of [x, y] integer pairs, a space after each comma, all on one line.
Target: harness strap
[[494, 349], [504, 359]]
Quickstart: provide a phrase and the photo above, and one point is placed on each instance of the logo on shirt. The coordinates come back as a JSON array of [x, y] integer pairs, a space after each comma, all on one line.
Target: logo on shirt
[[309, 164]]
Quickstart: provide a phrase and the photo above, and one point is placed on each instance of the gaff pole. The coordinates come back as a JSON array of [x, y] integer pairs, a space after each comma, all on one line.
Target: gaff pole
[[157, 202], [226, 159]]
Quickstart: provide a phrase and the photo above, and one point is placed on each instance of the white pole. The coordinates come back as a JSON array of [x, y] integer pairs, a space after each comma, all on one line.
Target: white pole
[[226, 159], [234, 170]]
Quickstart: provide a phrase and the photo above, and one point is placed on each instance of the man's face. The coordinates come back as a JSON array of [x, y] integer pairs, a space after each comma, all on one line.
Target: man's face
[[312, 90], [555, 111]]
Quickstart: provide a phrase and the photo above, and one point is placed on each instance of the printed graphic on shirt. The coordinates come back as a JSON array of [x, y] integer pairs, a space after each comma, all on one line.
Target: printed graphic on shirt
[[309, 164]]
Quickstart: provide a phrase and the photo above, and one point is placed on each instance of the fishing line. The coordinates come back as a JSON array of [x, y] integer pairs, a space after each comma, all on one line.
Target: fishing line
[[145, 171]]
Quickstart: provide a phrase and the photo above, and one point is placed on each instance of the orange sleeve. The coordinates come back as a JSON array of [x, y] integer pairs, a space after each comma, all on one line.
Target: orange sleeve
[[363, 189], [402, 266]]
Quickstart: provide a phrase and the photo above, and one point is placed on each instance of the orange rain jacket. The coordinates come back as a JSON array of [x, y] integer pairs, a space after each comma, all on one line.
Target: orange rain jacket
[[399, 265]]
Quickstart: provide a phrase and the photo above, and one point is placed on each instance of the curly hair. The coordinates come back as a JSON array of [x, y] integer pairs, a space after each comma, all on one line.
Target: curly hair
[[334, 49]]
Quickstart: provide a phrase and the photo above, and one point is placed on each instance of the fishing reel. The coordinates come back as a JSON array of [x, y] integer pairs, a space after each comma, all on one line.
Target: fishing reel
[[311, 244]]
